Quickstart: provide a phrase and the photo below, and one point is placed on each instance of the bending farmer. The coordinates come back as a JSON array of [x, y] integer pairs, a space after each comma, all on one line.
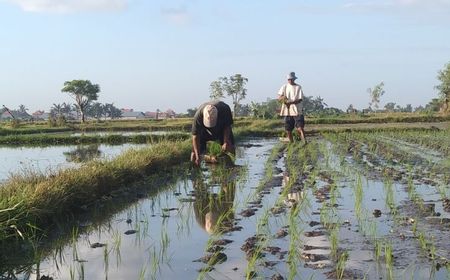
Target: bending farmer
[[291, 96], [212, 122]]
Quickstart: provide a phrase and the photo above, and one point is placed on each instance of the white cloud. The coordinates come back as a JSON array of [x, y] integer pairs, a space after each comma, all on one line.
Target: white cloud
[[67, 6], [377, 5], [178, 15]]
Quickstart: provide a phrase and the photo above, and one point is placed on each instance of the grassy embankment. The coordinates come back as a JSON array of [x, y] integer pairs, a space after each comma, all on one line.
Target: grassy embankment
[[36, 201], [45, 139], [184, 124], [42, 134]]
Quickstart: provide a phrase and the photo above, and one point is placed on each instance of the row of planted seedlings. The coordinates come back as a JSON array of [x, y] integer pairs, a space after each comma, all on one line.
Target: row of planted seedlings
[[403, 164], [366, 236], [412, 220], [278, 247], [217, 243], [435, 139]]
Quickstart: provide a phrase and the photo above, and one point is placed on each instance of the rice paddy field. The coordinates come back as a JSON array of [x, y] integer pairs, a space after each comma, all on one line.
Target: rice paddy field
[[348, 205]]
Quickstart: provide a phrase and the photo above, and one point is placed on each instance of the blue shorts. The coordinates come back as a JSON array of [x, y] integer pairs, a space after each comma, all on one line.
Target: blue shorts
[[294, 121]]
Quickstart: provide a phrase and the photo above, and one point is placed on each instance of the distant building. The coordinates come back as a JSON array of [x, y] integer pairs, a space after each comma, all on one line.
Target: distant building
[[130, 114], [40, 115], [158, 115]]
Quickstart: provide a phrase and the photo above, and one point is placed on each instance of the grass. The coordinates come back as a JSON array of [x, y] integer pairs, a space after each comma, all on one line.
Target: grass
[[34, 201], [67, 139]]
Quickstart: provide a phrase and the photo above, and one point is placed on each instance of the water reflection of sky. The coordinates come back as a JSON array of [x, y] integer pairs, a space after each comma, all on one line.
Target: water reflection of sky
[[186, 238], [47, 159], [125, 133]]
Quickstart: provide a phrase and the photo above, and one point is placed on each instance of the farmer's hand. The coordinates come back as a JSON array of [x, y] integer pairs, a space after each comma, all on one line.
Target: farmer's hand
[[227, 147], [195, 158]]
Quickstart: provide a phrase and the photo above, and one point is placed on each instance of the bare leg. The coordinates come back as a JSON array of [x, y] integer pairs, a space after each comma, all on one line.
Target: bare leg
[[301, 133], [289, 133]]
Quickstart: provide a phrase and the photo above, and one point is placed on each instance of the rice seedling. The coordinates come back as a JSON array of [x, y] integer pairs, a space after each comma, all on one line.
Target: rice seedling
[[71, 273], [341, 263], [334, 241], [154, 267], [294, 242], [106, 261], [81, 271], [422, 240], [388, 256], [142, 273]]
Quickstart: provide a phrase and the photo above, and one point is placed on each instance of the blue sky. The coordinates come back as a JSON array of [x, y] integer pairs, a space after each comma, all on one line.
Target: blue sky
[[156, 54]]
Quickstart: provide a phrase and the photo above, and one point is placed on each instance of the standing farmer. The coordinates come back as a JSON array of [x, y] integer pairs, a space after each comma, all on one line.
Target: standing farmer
[[291, 96], [212, 122]]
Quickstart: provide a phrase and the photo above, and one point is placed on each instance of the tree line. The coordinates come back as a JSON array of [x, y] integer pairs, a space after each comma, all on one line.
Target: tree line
[[235, 87]]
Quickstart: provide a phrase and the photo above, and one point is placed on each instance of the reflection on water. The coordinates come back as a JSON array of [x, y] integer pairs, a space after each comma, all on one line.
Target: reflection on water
[[157, 237], [48, 159], [214, 211], [83, 153], [125, 133]]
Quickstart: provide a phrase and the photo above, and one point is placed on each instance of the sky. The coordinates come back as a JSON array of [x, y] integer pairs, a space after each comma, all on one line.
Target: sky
[[161, 54]]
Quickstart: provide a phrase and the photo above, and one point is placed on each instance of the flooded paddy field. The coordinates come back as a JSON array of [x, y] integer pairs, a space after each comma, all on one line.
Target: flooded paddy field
[[344, 206], [16, 160]]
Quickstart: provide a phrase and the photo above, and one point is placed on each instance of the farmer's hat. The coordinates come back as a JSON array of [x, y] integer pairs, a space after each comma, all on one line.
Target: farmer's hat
[[210, 116], [291, 76]]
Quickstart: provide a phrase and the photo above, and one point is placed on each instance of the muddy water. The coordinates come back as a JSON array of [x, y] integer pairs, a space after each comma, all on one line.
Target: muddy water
[[47, 159], [165, 236]]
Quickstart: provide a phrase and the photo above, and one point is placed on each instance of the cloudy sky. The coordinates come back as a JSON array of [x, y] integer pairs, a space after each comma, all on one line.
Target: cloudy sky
[[160, 54]]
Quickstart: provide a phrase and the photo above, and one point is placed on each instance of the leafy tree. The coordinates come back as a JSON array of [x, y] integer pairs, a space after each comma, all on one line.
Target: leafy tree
[[434, 105], [419, 109], [351, 109], [408, 108], [331, 111], [95, 110], [216, 90], [191, 112], [264, 110], [390, 107], [243, 110], [375, 94], [313, 105], [84, 92], [233, 86], [112, 111], [444, 87]]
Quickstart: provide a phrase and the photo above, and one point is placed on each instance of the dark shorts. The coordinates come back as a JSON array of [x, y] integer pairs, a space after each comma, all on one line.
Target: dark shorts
[[294, 121], [204, 138]]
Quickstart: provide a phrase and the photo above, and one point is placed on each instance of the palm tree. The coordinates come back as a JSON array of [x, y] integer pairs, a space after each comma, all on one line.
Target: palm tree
[[23, 109], [56, 110]]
